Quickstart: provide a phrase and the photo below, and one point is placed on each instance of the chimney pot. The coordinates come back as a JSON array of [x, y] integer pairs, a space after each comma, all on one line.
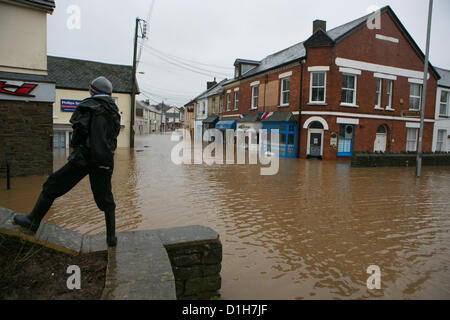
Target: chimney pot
[[319, 24]]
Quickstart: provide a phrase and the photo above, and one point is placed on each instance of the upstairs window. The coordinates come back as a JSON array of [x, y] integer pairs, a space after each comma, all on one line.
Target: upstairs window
[[228, 101], [415, 97], [236, 100], [318, 84], [378, 93], [389, 86], [255, 93], [443, 110], [349, 89], [285, 91]]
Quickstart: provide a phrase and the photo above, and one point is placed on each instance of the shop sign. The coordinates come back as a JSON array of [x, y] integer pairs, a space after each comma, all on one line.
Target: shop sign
[[26, 91]]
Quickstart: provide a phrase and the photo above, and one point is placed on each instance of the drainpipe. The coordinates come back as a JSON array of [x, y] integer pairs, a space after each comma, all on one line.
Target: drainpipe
[[299, 129]]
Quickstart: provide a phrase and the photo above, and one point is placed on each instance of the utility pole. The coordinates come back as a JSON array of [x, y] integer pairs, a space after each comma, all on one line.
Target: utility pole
[[424, 93], [133, 77]]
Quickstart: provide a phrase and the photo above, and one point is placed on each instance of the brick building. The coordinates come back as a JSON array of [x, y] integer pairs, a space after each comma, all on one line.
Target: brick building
[[26, 91], [357, 87]]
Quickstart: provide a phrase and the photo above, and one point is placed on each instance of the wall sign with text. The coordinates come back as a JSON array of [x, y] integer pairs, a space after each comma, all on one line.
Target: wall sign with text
[[69, 105]]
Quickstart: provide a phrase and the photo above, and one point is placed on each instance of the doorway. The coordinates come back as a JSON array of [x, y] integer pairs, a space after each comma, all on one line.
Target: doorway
[[315, 140], [380, 139]]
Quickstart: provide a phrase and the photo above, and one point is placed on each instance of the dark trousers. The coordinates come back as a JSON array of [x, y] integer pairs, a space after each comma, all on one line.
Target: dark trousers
[[63, 180]]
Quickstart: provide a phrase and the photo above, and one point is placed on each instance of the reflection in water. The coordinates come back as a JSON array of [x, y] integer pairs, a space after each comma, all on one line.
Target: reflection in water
[[309, 232]]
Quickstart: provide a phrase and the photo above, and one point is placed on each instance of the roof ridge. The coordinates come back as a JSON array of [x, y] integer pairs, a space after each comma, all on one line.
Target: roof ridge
[[92, 61]]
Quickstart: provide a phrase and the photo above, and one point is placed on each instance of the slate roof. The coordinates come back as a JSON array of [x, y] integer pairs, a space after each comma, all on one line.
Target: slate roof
[[77, 74], [298, 51], [212, 91], [47, 5], [445, 77]]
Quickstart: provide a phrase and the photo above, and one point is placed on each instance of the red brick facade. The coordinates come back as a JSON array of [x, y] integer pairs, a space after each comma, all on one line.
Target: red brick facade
[[363, 46]]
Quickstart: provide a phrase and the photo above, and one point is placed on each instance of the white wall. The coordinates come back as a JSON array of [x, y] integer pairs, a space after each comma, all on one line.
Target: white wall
[[441, 123], [23, 34]]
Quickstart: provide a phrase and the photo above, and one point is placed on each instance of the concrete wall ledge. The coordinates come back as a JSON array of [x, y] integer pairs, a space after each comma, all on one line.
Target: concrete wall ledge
[[399, 159], [165, 264]]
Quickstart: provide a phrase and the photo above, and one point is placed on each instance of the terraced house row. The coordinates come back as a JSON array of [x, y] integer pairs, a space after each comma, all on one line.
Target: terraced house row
[[357, 87]]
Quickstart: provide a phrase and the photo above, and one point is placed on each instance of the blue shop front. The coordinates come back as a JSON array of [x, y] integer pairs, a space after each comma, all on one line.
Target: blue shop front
[[286, 123]]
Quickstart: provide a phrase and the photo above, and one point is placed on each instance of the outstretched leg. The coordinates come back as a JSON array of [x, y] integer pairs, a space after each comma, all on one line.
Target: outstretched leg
[[58, 184], [101, 188]]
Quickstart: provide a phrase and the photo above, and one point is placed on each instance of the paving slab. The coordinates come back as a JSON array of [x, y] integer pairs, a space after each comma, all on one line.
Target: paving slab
[[139, 269], [94, 243], [187, 235]]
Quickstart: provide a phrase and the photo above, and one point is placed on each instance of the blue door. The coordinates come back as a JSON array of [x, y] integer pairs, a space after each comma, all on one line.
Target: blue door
[[346, 137]]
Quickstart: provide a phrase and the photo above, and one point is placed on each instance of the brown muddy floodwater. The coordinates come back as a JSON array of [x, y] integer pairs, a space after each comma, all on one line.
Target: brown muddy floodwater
[[309, 232]]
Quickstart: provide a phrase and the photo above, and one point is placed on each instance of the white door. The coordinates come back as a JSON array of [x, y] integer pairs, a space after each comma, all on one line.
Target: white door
[[380, 142]]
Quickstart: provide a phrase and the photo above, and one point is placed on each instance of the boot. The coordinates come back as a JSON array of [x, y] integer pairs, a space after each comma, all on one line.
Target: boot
[[32, 221], [110, 219]]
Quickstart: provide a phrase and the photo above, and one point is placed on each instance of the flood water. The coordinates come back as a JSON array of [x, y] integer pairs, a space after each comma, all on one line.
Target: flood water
[[309, 232]]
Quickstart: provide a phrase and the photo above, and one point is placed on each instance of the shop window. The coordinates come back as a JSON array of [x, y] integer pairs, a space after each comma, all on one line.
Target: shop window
[[345, 146]]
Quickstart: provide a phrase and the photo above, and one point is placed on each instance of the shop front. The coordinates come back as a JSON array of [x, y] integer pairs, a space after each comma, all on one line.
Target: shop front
[[251, 125], [209, 123], [286, 144]]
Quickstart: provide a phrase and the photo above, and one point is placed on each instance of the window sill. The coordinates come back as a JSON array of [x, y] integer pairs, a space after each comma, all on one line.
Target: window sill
[[349, 105], [254, 108], [379, 108], [320, 104], [284, 106], [389, 109]]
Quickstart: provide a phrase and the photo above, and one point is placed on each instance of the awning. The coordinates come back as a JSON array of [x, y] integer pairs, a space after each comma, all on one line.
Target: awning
[[253, 117], [226, 125], [280, 117], [211, 120]]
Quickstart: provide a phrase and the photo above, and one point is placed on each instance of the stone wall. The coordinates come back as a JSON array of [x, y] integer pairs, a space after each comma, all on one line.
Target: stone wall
[[195, 254], [399, 159], [26, 138]]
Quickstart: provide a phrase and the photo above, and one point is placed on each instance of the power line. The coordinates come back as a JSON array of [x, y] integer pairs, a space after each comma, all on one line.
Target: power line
[[187, 66], [188, 60]]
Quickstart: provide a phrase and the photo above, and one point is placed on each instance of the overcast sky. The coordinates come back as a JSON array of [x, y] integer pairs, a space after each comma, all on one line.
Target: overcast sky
[[191, 41]]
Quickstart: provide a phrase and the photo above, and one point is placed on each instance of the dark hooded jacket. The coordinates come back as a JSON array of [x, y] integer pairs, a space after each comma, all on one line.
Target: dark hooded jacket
[[96, 125]]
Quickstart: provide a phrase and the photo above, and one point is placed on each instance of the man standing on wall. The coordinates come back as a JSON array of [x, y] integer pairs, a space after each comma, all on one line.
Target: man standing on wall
[[96, 125]]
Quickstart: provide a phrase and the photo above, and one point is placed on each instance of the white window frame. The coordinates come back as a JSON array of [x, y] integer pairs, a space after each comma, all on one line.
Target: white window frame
[[236, 99], [446, 104], [379, 93], [411, 85], [408, 141], [228, 101], [389, 93], [255, 87], [440, 141], [352, 104], [324, 87], [282, 92]]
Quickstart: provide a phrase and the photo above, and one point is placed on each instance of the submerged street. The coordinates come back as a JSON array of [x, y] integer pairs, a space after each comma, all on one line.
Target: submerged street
[[309, 232]]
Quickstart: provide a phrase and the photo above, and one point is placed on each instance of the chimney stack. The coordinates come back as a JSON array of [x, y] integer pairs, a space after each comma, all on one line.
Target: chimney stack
[[211, 84], [319, 24]]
